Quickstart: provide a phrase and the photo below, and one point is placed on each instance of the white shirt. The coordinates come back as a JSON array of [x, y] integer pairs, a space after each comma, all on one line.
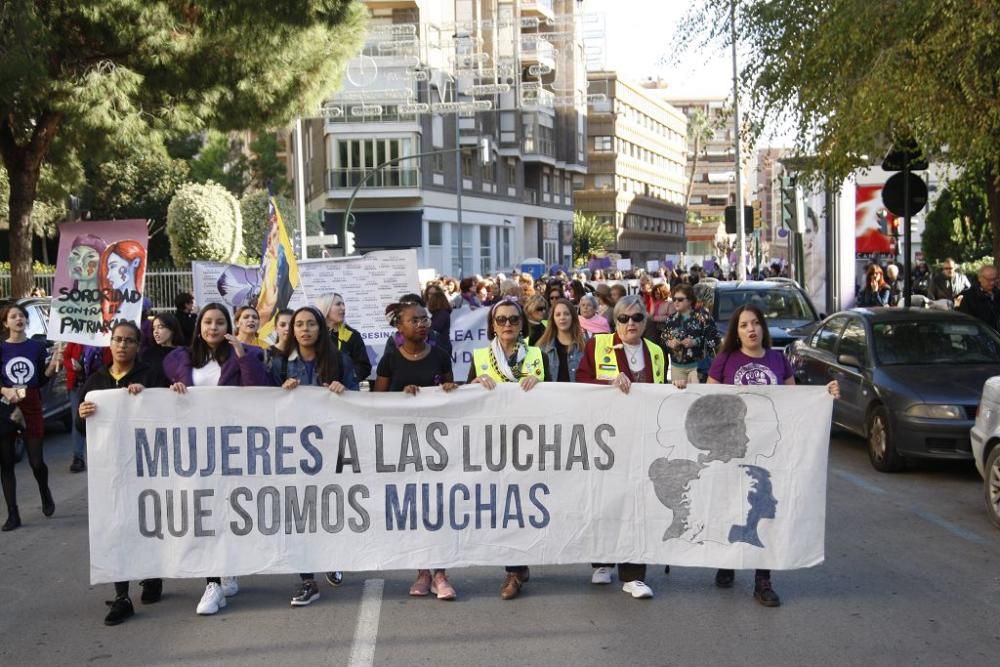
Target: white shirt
[[635, 352], [206, 376]]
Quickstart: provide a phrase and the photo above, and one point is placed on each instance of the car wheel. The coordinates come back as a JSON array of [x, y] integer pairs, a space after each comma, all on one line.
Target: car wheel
[[991, 485], [881, 448]]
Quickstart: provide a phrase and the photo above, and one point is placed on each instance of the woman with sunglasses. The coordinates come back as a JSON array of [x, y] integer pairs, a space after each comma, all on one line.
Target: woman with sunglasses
[[508, 359], [620, 359], [125, 370], [535, 310], [23, 372], [215, 358], [746, 358], [310, 360], [690, 336], [415, 364]]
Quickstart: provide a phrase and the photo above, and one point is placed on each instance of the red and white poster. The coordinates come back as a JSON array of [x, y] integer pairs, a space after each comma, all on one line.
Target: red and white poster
[[99, 279], [872, 222]]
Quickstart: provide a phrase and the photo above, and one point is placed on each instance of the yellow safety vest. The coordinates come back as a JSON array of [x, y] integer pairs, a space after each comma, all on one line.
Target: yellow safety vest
[[606, 361], [532, 364]]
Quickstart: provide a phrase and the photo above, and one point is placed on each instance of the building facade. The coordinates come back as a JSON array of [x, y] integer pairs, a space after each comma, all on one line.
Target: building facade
[[636, 174], [436, 78]]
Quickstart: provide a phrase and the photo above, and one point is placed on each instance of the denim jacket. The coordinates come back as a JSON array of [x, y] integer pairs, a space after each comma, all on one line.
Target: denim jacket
[[573, 356]]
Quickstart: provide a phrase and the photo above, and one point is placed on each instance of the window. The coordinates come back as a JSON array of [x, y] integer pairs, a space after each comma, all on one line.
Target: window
[[826, 338], [511, 173], [465, 264], [854, 342], [603, 144], [357, 157], [434, 233], [468, 164], [437, 163], [546, 183], [550, 248], [485, 250], [505, 234]]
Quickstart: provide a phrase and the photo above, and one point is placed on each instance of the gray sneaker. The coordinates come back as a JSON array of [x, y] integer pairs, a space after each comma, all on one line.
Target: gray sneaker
[[305, 593]]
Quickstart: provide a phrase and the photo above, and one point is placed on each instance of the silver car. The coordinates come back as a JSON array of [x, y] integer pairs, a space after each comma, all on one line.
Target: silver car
[[985, 436]]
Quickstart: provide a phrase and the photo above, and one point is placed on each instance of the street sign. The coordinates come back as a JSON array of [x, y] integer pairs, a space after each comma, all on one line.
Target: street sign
[[757, 221], [893, 193]]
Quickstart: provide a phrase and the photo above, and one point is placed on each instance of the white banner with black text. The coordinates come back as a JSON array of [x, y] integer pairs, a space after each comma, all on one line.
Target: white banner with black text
[[241, 481]]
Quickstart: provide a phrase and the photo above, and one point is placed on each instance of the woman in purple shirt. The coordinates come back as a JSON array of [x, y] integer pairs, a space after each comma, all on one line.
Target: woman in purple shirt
[[746, 358]]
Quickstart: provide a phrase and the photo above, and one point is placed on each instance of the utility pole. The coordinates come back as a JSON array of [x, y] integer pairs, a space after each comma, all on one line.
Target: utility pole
[[458, 189], [300, 188], [741, 264]]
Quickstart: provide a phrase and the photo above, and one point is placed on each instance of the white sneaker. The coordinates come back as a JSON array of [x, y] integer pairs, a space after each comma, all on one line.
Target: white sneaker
[[602, 576], [212, 601], [230, 586], [637, 589]]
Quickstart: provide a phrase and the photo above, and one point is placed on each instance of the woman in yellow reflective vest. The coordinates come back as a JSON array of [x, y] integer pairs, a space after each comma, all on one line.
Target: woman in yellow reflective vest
[[619, 359], [508, 359]]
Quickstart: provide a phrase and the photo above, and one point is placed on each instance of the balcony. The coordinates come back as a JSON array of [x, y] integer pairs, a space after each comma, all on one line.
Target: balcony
[[535, 98], [536, 51], [389, 177], [540, 8]]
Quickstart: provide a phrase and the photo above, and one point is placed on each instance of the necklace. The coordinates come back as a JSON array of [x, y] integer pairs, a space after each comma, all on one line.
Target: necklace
[[633, 352], [413, 355]]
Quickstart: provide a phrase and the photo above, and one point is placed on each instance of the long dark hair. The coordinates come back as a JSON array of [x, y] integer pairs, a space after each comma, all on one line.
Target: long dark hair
[[327, 359], [731, 343], [199, 350], [3, 317], [551, 333], [169, 320]]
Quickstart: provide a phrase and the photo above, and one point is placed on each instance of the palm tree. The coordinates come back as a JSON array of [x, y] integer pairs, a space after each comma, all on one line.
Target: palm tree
[[699, 133]]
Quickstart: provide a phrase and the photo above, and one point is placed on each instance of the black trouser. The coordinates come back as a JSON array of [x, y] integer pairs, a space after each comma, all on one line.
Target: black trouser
[[758, 574], [7, 463], [121, 587], [626, 571], [519, 570]]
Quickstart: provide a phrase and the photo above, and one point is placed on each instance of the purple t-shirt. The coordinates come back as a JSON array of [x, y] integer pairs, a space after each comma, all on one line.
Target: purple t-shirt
[[738, 368], [23, 363]]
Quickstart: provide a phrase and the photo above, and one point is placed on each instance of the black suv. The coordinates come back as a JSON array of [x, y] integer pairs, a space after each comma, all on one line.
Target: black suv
[[789, 312]]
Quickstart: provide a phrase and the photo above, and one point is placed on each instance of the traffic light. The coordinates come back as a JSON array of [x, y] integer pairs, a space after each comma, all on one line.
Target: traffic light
[[792, 205], [731, 219]]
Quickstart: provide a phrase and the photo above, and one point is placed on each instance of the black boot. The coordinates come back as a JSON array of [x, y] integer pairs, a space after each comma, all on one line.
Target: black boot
[[13, 519], [48, 504], [764, 594]]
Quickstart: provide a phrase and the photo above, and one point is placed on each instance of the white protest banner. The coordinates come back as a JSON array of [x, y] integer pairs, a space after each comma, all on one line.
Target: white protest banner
[[652, 266], [624, 264], [368, 284], [265, 480], [99, 280], [468, 331], [631, 286]]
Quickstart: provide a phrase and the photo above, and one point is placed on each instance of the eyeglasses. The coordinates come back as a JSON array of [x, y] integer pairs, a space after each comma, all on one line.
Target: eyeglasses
[[120, 340], [680, 299], [635, 317], [418, 320], [504, 320]]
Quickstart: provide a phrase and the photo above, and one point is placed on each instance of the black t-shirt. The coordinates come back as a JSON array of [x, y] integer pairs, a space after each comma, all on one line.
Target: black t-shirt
[[432, 370], [563, 363]]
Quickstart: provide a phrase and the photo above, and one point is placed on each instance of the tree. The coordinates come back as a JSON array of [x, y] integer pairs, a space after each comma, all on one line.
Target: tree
[[958, 227], [590, 236], [204, 223], [113, 72], [853, 76], [221, 160], [265, 166], [138, 186], [699, 133]]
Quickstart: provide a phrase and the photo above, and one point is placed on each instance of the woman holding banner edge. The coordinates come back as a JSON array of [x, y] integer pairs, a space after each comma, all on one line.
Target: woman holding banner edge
[[215, 358], [746, 358], [126, 370], [620, 359], [410, 365], [509, 359], [311, 361]]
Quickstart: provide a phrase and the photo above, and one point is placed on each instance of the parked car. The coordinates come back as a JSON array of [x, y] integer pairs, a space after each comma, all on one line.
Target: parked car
[[910, 379], [55, 399], [787, 307], [985, 436]]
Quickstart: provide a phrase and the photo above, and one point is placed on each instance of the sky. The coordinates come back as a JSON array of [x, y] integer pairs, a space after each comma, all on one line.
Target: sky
[[638, 37]]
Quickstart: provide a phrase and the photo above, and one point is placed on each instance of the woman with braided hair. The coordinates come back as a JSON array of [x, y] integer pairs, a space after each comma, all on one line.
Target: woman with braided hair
[[508, 358]]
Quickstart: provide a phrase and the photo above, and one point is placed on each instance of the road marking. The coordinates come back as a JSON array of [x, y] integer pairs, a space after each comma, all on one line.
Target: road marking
[[951, 527], [366, 630], [859, 482]]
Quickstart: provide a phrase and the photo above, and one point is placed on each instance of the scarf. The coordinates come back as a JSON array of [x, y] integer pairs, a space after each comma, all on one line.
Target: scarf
[[502, 365]]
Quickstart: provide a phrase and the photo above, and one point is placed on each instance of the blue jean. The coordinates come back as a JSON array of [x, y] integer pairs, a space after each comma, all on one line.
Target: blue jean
[[79, 439]]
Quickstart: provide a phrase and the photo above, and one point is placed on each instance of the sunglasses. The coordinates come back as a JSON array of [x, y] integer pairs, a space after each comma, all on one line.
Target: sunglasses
[[679, 299], [504, 320], [635, 317]]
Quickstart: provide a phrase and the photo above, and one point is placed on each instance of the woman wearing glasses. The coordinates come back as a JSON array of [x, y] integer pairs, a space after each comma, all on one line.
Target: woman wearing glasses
[[535, 310], [620, 359], [215, 358], [125, 370], [690, 337], [412, 364], [508, 359]]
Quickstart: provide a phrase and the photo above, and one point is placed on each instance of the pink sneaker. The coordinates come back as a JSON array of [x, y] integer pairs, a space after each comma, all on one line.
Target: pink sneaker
[[422, 586], [442, 587]]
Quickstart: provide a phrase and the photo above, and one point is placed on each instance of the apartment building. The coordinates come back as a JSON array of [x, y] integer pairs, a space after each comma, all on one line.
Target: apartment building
[[636, 174], [435, 78]]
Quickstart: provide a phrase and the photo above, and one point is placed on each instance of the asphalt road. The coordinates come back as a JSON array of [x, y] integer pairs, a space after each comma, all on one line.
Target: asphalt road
[[912, 576]]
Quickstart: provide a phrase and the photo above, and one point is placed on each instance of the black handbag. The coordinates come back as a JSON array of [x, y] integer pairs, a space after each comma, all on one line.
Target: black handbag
[[11, 418]]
